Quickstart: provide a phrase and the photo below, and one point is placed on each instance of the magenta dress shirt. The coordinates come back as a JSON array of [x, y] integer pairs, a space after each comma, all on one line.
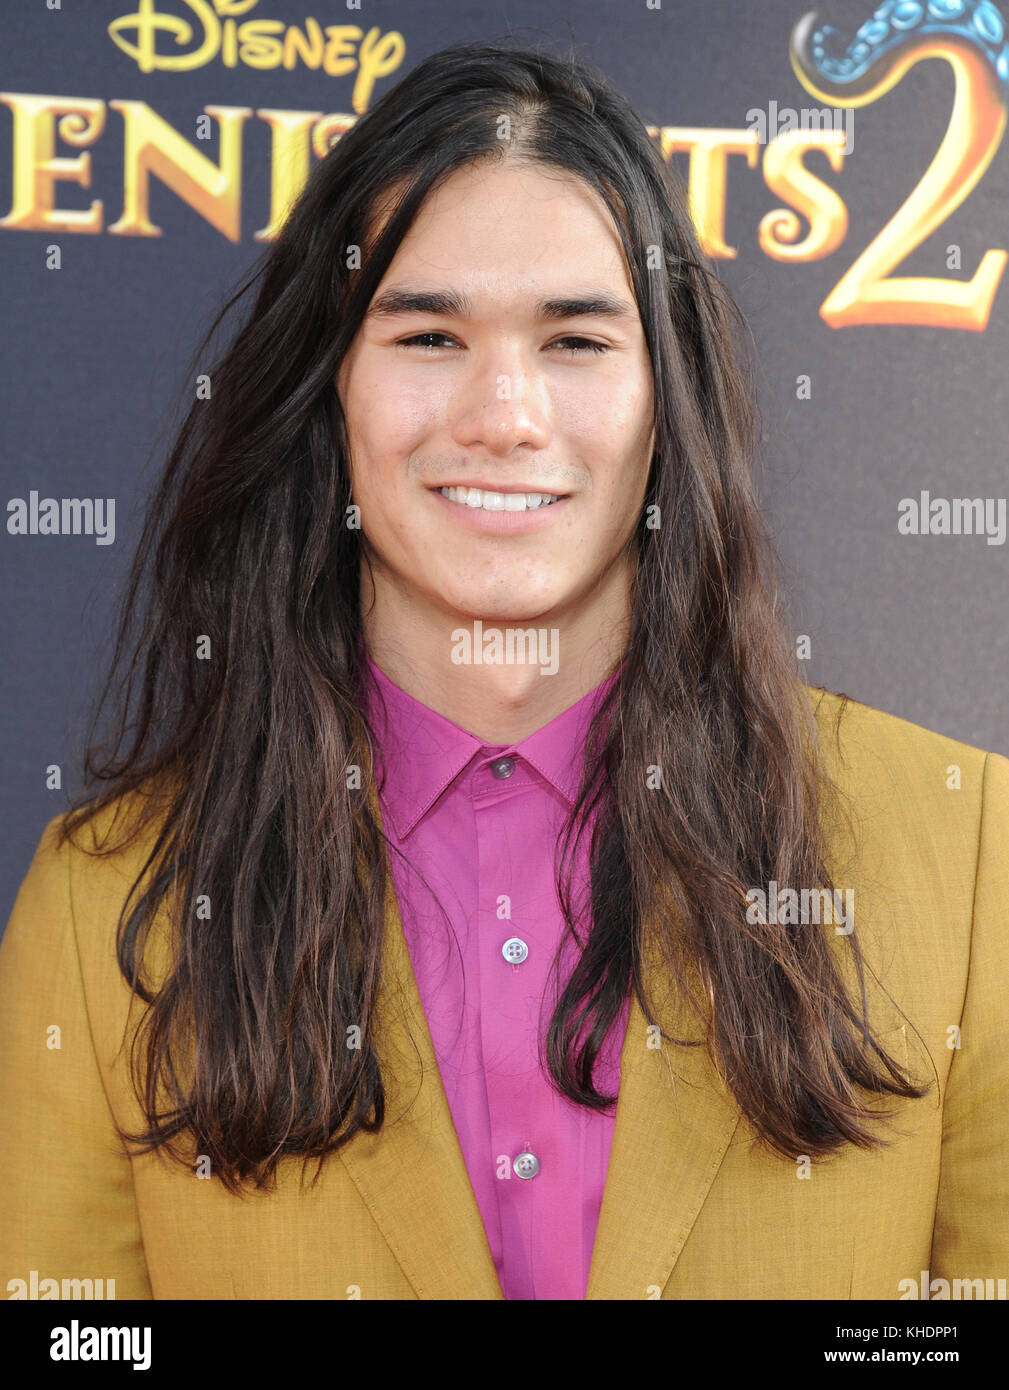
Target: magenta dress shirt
[[480, 823]]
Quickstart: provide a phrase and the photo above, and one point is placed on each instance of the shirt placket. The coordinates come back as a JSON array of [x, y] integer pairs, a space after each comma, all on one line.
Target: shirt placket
[[517, 934]]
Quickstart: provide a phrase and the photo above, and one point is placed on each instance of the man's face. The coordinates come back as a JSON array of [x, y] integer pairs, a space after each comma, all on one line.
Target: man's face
[[502, 385]]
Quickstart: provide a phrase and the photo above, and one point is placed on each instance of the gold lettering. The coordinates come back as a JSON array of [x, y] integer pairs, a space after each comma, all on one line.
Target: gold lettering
[[340, 47], [709, 151], [867, 292], [329, 130], [258, 43], [786, 175], [36, 168], [153, 146], [311, 50], [290, 163], [256, 48], [146, 22], [379, 55]]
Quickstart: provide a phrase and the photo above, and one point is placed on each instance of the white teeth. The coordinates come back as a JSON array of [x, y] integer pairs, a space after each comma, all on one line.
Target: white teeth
[[498, 501]]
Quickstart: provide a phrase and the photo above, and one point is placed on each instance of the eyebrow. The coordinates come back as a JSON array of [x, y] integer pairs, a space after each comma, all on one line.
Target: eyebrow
[[451, 304]]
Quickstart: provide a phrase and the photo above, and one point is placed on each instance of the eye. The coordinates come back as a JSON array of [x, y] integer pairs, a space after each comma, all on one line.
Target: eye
[[586, 344], [418, 340]]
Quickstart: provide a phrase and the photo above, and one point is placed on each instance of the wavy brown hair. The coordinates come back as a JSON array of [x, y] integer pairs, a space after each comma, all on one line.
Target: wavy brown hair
[[242, 1044]]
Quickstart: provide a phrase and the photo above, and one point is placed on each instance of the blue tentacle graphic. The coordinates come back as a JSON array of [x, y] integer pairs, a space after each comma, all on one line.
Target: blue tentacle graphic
[[840, 70]]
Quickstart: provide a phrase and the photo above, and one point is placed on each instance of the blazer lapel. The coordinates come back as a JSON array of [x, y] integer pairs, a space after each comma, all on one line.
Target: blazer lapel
[[675, 1117], [412, 1174]]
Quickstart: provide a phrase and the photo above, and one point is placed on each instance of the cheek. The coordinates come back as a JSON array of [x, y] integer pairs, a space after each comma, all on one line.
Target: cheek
[[630, 435], [613, 407], [394, 414], [609, 435]]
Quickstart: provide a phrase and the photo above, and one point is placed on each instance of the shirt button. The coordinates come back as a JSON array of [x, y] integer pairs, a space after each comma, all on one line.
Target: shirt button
[[503, 767], [527, 1165], [515, 950]]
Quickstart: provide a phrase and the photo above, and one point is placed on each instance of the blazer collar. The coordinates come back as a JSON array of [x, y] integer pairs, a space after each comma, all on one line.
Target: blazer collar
[[674, 1120]]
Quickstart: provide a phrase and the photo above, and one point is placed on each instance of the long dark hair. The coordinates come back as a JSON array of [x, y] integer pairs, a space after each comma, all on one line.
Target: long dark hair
[[242, 760]]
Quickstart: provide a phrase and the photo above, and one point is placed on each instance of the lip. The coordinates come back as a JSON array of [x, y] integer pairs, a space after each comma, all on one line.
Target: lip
[[499, 522]]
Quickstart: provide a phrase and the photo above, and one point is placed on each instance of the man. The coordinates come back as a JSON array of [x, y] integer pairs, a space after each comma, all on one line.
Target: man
[[473, 499]]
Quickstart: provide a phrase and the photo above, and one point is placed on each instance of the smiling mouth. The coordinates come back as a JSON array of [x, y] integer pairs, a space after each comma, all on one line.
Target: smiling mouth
[[488, 501]]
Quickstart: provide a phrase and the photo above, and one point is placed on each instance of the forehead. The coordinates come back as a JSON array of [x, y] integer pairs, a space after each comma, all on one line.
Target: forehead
[[497, 227]]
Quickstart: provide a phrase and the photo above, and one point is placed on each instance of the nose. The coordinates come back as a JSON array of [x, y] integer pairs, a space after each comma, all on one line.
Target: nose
[[502, 403]]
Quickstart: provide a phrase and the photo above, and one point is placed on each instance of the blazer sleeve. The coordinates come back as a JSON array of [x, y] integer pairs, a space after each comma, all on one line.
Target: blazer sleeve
[[67, 1203], [970, 1239]]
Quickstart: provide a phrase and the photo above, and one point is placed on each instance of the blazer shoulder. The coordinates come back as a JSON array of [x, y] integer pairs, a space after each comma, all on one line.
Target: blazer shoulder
[[87, 875], [914, 786], [115, 838], [85, 867], [860, 735]]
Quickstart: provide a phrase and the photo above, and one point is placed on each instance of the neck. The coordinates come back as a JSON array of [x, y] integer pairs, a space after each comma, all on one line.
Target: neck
[[498, 678]]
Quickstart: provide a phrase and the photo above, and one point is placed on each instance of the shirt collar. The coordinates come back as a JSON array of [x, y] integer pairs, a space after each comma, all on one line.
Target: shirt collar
[[429, 751]]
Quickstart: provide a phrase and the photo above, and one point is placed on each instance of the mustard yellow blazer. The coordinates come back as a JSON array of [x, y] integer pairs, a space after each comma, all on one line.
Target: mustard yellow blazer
[[692, 1209]]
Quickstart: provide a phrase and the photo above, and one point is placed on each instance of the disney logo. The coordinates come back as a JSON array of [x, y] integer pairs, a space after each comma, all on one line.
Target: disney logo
[[213, 29]]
